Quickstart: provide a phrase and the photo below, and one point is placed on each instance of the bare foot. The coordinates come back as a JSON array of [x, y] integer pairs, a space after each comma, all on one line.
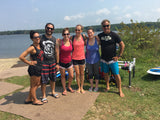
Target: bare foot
[[82, 91], [78, 91], [107, 89], [121, 94]]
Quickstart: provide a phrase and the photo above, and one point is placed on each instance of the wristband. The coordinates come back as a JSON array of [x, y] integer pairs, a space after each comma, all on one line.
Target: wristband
[[57, 63]]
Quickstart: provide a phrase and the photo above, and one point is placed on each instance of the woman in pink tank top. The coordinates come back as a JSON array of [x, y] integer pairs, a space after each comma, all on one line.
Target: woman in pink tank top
[[65, 60], [78, 57]]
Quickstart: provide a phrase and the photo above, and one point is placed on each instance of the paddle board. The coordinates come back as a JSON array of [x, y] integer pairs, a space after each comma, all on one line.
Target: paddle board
[[154, 71]]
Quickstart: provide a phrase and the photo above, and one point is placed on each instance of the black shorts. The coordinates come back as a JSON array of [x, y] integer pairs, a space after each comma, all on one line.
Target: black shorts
[[65, 65], [34, 70], [78, 62]]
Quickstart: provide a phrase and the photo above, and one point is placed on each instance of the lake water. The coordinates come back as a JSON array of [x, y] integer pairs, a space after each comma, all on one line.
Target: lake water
[[11, 46]]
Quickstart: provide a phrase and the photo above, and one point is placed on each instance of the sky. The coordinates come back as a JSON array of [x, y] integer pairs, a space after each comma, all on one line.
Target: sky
[[34, 14]]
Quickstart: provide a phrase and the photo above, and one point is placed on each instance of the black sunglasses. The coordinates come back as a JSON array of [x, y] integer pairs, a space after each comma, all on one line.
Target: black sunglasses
[[36, 37], [106, 26], [77, 30], [66, 34], [50, 28]]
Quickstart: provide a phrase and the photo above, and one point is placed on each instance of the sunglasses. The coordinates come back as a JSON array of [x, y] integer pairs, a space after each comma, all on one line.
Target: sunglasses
[[77, 30], [36, 37], [66, 34], [106, 26], [50, 28]]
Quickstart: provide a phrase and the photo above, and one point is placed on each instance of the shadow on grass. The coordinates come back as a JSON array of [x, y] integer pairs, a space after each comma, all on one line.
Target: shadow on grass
[[149, 77]]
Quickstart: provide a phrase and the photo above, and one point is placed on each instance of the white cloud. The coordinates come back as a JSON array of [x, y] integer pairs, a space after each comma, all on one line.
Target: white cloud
[[74, 17], [103, 11]]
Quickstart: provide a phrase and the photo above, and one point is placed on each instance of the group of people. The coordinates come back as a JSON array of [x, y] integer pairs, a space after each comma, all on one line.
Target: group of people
[[49, 55]]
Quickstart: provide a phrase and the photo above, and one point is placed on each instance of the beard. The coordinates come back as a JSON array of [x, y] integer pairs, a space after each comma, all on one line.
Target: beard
[[49, 32]]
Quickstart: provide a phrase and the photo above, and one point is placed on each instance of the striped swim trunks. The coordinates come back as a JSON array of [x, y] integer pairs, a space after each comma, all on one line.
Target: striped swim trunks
[[48, 72]]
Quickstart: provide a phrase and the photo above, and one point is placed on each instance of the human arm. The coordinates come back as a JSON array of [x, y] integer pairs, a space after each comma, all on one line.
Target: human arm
[[57, 53], [30, 50], [98, 40], [122, 46]]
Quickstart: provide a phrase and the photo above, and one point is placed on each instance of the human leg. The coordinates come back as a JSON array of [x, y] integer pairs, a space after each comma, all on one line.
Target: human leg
[[96, 74], [35, 83], [70, 72], [43, 89], [52, 76], [106, 77], [76, 68], [63, 81], [90, 75], [115, 71], [81, 67], [118, 79], [105, 69]]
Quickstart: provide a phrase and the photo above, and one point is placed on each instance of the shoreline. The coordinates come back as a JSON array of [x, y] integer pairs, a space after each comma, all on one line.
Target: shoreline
[[7, 63]]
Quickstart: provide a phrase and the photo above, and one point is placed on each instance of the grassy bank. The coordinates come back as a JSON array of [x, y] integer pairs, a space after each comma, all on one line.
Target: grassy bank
[[141, 101]]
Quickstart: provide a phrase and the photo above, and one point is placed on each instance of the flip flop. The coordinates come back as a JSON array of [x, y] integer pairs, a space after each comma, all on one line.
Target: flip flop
[[27, 102], [44, 100], [64, 93], [70, 90], [55, 95], [37, 103]]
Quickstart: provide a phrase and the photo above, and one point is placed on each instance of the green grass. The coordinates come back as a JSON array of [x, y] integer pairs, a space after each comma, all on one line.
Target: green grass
[[141, 101]]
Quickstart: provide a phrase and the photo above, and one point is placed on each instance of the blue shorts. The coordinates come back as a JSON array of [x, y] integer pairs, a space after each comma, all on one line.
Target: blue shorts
[[113, 66]]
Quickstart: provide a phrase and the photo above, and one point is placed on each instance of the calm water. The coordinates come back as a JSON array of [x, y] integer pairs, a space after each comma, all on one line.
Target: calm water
[[11, 46]]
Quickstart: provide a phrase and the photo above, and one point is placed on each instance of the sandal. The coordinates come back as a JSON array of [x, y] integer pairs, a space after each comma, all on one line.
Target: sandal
[[27, 102], [38, 103], [44, 100], [55, 95], [64, 93], [70, 90]]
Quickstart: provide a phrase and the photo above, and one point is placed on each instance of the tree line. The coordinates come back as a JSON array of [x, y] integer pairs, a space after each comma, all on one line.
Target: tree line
[[97, 28]]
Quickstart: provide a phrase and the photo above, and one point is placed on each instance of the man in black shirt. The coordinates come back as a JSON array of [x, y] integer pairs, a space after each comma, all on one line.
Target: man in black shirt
[[108, 40], [50, 62]]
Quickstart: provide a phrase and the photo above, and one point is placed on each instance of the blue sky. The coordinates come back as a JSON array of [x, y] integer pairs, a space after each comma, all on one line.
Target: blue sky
[[34, 14]]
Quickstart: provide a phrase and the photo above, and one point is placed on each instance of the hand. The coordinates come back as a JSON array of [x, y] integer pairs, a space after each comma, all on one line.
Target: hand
[[33, 62], [115, 58], [57, 67]]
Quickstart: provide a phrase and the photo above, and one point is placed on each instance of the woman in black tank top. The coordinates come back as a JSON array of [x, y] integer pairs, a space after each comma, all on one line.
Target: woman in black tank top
[[35, 67]]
